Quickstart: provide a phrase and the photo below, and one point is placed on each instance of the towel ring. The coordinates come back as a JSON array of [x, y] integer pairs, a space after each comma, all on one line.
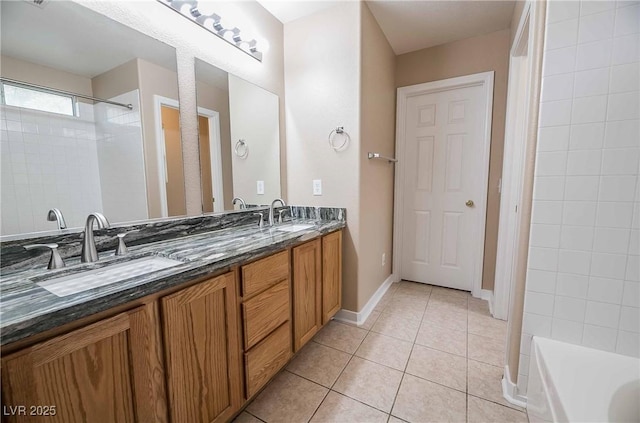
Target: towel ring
[[241, 149], [339, 130]]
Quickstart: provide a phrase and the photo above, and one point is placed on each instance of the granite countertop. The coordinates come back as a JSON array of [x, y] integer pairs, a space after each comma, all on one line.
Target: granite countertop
[[27, 309]]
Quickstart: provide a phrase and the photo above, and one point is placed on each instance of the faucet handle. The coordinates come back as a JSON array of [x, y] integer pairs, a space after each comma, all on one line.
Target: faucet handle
[[261, 221], [280, 213], [122, 249], [55, 262]]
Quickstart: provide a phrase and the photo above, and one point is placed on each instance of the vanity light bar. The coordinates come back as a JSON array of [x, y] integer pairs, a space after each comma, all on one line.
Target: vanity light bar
[[189, 9]]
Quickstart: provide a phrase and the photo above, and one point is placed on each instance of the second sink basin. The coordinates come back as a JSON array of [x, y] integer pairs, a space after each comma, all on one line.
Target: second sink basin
[[83, 281], [294, 227]]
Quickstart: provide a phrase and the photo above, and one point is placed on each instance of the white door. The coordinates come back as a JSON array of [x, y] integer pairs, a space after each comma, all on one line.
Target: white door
[[445, 186]]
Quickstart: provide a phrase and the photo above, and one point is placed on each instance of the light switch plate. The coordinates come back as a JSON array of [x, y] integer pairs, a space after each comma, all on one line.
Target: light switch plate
[[260, 188], [317, 187]]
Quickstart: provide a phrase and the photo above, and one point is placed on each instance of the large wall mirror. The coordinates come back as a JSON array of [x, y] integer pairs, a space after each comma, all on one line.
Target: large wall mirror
[[239, 140], [60, 149]]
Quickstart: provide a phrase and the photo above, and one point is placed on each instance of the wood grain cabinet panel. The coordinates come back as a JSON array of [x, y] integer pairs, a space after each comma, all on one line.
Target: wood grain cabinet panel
[[109, 371], [331, 275], [267, 358], [265, 312], [203, 351], [307, 291], [259, 275]]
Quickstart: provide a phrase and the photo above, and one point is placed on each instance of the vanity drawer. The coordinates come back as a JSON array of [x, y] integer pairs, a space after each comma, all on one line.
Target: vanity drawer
[[267, 358], [265, 312], [261, 274]]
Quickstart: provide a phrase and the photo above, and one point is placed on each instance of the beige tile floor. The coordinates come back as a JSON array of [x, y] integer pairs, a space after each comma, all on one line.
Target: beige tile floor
[[426, 354]]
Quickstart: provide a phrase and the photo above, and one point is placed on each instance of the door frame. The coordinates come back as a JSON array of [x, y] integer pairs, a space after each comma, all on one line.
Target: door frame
[[485, 80], [512, 182], [158, 102], [215, 155]]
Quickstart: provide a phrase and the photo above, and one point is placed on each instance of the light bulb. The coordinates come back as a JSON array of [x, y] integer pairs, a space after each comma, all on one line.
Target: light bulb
[[206, 7], [228, 35], [185, 9], [208, 23], [262, 45]]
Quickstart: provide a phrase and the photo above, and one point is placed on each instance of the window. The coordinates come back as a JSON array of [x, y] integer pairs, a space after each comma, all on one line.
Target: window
[[31, 98]]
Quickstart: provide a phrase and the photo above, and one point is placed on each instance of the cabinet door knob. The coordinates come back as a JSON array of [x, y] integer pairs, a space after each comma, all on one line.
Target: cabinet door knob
[[469, 203]]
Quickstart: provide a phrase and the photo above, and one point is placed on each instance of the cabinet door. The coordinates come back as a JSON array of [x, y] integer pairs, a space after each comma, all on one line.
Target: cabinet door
[[203, 351], [307, 291], [331, 275], [109, 371]]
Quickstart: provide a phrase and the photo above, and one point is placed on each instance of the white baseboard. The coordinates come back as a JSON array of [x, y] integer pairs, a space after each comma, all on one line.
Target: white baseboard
[[360, 317], [510, 390], [487, 295]]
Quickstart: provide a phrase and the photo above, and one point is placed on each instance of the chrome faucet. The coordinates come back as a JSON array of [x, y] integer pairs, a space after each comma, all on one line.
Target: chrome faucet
[[55, 215], [271, 218], [243, 205], [89, 253]]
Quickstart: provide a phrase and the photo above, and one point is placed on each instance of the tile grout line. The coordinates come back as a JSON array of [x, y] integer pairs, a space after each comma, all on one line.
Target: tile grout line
[[368, 331], [245, 411], [413, 344]]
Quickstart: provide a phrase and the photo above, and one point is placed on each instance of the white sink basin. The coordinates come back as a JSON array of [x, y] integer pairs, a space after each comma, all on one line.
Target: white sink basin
[[294, 228], [72, 284]]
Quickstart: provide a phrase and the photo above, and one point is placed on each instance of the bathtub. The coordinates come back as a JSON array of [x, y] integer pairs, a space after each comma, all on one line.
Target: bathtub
[[571, 383]]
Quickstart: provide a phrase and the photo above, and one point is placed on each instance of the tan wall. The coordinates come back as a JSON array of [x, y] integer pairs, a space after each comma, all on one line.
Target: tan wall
[[119, 80], [473, 55], [214, 98], [254, 117], [24, 71], [155, 80], [377, 114], [322, 74]]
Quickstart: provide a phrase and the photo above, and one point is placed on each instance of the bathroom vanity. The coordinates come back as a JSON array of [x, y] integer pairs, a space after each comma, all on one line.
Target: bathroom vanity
[[189, 343]]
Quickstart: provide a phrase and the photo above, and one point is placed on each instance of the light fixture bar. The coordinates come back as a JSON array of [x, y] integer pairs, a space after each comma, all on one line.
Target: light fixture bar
[[189, 9]]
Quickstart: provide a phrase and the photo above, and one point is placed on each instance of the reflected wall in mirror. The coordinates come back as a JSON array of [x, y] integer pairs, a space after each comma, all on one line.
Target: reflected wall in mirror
[[239, 140], [78, 155]]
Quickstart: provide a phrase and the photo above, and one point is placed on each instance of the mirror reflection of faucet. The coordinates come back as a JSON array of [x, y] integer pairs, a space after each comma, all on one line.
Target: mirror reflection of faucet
[[55, 215], [261, 221], [271, 212], [243, 205]]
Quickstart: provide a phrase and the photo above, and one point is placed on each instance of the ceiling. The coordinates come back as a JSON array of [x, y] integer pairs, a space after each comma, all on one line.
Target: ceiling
[[290, 10], [67, 36], [411, 25]]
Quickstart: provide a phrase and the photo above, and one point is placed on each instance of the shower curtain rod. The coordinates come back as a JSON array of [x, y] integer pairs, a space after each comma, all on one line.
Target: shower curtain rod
[[53, 90]]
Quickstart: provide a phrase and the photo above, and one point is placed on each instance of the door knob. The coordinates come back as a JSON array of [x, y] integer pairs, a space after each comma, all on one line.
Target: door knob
[[469, 203]]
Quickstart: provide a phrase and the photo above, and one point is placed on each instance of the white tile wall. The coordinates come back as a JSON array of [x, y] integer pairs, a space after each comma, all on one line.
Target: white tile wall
[[48, 160], [583, 283], [77, 164], [121, 159]]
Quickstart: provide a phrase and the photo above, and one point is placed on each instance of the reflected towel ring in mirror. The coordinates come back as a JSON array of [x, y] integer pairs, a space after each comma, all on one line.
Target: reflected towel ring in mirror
[[241, 149], [339, 131]]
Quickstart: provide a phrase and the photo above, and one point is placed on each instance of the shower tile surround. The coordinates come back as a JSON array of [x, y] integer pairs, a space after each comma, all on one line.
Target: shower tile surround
[[72, 163], [205, 244], [583, 281]]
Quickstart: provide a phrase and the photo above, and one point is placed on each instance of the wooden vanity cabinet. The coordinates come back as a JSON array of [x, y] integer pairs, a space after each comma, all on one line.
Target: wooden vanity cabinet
[[307, 292], [317, 285], [266, 319], [202, 351], [184, 357], [109, 371], [331, 275]]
